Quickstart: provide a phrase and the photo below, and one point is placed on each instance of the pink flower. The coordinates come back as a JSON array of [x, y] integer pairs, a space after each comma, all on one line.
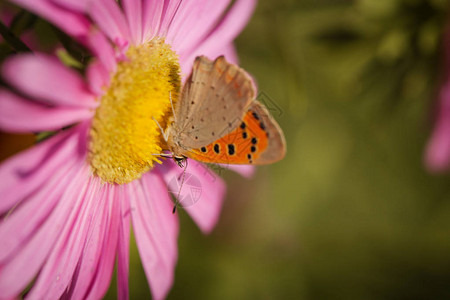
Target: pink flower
[[68, 202], [437, 156]]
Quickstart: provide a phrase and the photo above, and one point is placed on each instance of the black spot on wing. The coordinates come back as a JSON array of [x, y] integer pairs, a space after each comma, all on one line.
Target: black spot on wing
[[262, 126], [231, 149], [217, 148]]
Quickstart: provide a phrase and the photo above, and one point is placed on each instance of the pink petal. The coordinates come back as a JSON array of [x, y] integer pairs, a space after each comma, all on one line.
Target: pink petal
[[33, 212], [97, 262], [18, 270], [75, 5], [167, 16], [151, 18], [23, 174], [194, 21], [123, 245], [156, 230], [103, 51], [226, 31], [246, 171], [133, 12], [46, 78], [206, 210], [97, 77], [60, 265], [20, 115], [74, 24], [437, 156], [110, 19]]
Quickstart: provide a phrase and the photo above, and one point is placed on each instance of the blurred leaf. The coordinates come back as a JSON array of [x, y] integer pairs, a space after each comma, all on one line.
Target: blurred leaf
[[67, 59]]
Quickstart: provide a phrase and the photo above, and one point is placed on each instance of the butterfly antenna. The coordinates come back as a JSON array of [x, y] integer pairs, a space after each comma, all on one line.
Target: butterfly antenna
[[168, 155], [177, 201], [160, 128]]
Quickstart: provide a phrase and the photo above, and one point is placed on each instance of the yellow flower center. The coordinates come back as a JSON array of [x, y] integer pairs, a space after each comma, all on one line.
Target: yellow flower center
[[123, 136]]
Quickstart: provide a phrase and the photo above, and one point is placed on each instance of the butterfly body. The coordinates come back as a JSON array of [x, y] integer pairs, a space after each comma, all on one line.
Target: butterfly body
[[217, 119]]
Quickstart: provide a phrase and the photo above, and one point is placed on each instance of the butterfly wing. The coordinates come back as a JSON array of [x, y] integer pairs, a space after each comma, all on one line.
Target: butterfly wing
[[257, 140], [276, 144], [213, 101]]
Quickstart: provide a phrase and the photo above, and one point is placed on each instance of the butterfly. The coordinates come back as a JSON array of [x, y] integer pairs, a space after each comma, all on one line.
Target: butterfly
[[218, 120]]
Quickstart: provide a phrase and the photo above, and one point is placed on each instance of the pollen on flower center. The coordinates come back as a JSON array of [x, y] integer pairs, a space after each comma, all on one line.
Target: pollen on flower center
[[123, 136]]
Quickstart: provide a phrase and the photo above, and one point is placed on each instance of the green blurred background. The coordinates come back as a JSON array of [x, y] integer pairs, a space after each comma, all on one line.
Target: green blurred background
[[351, 212]]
